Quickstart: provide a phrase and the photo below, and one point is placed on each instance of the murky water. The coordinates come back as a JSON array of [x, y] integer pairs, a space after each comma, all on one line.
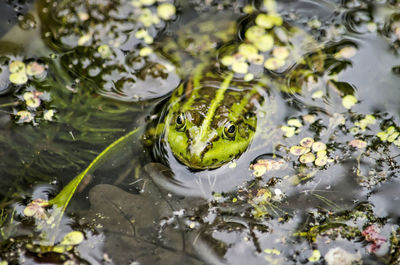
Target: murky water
[[318, 183]]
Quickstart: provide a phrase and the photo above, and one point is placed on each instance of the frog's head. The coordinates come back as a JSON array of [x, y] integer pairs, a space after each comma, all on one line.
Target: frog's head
[[207, 132]]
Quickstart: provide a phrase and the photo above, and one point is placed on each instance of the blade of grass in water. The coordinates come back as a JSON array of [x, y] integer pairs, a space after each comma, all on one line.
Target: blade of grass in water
[[61, 201]]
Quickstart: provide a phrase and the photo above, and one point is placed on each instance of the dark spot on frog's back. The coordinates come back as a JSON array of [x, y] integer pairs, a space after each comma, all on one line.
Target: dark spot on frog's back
[[196, 117], [231, 97], [206, 93]]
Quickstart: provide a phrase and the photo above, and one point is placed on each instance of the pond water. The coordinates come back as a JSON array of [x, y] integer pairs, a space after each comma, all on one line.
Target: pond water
[[200, 132]]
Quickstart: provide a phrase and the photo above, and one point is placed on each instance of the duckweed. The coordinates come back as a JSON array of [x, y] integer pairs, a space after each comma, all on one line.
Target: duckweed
[[84, 39], [105, 51], [295, 123], [318, 146], [166, 11], [24, 116], [268, 20], [315, 256], [265, 43], [317, 94], [365, 122], [293, 127], [145, 51], [307, 158], [35, 69], [18, 74], [349, 101], [346, 52], [307, 142], [72, 238], [321, 160], [391, 135], [281, 52], [240, 67], [298, 150], [265, 165], [288, 130], [307, 146]]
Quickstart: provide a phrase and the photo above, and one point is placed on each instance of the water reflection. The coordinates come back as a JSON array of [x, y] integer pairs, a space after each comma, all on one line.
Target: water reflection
[[332, 125]]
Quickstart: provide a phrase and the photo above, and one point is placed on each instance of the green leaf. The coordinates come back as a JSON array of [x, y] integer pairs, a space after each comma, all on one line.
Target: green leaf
[[61, 201]]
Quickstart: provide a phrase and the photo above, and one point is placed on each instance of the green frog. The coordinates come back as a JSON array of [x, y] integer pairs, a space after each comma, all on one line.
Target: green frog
[[211, 119], [209, 122]]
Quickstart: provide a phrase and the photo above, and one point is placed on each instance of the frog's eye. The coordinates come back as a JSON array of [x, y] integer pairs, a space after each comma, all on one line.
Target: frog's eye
[[230, 130], [180, 122]]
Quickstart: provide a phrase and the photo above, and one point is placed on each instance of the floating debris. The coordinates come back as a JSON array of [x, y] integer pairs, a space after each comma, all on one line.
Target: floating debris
[[264, 165], [339, 256], [360, 144], [36, 209], [371, 234]]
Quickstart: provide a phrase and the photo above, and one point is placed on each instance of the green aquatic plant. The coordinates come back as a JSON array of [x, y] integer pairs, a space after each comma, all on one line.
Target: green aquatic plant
[[48, 223]]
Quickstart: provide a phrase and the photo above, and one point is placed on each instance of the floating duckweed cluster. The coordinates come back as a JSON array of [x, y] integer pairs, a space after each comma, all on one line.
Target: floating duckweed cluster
[[363, 124], [20, 72], [293, 127], [391, 135], [31, 102], [110, 45], [261, 46], [310, 151], [149, 16]]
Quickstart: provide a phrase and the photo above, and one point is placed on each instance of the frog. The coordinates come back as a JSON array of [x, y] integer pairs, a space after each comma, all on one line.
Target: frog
[[212, 117], [210, 122]]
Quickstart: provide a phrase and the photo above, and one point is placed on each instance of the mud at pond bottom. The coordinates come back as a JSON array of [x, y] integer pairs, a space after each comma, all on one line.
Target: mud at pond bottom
[[142, 228]]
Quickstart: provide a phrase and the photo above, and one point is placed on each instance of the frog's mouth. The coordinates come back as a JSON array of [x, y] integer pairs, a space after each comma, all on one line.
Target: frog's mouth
[[199, 163], [209, 156]]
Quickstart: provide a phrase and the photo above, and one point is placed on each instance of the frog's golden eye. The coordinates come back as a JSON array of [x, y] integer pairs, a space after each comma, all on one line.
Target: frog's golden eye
[[230, 130], [180, 122]]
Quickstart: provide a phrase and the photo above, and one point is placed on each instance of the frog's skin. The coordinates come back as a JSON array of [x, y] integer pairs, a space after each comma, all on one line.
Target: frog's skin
[[210, 122]]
